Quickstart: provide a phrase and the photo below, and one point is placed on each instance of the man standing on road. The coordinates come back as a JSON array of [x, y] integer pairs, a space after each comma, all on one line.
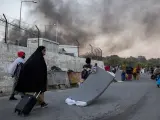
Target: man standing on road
[[86, 70], [138, 69], [14, 70]]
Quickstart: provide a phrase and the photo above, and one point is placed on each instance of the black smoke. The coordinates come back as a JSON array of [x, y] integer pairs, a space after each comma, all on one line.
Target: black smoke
[[121, 24]]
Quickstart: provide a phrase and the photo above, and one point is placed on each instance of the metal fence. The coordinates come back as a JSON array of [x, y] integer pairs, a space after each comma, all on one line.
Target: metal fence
[[93, 52], [13, 31]]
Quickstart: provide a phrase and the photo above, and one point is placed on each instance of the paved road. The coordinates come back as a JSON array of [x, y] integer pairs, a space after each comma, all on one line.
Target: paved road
[[136, 100]]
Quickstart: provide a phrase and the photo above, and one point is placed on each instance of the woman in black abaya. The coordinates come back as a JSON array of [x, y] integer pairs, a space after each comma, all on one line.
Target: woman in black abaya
[[33, 77]]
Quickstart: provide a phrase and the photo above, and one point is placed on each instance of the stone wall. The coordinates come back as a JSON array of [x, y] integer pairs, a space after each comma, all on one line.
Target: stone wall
[[8, 53]]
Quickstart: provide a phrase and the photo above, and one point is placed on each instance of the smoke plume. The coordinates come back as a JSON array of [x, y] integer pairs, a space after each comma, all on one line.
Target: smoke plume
[[123, 27]]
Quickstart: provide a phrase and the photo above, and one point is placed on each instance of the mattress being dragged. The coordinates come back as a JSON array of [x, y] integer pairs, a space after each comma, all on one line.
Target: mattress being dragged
[[91, 89]]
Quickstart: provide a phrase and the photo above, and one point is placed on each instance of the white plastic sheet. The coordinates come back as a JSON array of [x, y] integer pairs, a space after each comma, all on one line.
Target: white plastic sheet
[[69, 101]]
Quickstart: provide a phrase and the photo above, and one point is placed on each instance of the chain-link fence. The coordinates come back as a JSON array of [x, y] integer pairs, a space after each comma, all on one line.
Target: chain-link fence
[[93, 52], [13, 31], [2, 28]]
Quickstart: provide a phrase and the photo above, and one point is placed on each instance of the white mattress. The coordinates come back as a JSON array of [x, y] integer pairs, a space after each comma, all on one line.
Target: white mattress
[[92, 88]]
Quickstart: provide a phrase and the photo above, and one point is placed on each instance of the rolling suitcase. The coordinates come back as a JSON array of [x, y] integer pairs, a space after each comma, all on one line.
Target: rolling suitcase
[[26, 104]]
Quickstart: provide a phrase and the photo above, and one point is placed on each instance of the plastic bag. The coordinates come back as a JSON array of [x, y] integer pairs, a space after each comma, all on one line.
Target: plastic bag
[[11, 69], [69, 101]]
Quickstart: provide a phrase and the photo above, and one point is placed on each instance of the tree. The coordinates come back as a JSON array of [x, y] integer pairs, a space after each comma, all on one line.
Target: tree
[[113, 60], [153, 62], [141, 60]]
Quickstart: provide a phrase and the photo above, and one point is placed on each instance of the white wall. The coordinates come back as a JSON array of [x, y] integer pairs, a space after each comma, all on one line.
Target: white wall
[[70, 49], [9, 53], [50, 45], [33, 42]]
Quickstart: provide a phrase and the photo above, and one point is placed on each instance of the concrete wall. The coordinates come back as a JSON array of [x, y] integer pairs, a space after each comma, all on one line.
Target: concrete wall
[[70, 49], [8, 54], [50, 45]]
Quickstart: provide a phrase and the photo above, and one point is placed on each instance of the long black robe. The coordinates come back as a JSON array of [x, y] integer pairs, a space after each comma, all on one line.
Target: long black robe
[[33, 77]]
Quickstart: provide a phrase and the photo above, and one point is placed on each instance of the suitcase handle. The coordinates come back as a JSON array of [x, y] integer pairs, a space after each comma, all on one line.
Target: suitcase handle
[[37, 94]]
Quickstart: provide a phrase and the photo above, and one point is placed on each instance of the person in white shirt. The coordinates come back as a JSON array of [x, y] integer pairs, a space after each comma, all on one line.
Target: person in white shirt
[[14, 69]]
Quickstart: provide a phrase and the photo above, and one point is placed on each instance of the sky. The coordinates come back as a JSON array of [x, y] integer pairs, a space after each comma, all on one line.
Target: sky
[[12, 8]]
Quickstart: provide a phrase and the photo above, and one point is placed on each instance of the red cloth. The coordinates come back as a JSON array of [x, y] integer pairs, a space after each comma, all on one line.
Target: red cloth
[[20, 54], [129, 77], [107, 68]]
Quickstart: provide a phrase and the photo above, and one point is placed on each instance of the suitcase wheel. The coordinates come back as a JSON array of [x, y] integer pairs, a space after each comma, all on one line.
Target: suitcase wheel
[[19, 113], [16, 111], [25, 115], [158, 86]]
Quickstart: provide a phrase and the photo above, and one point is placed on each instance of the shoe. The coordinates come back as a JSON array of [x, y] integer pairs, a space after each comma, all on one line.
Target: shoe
[[13, 98], [44, 105]]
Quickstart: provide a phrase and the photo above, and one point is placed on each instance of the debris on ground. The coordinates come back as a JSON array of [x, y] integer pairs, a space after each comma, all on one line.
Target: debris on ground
[[55, 68]]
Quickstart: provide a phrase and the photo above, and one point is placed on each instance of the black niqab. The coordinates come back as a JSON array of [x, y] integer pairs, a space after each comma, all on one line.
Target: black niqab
[[33, 77]]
